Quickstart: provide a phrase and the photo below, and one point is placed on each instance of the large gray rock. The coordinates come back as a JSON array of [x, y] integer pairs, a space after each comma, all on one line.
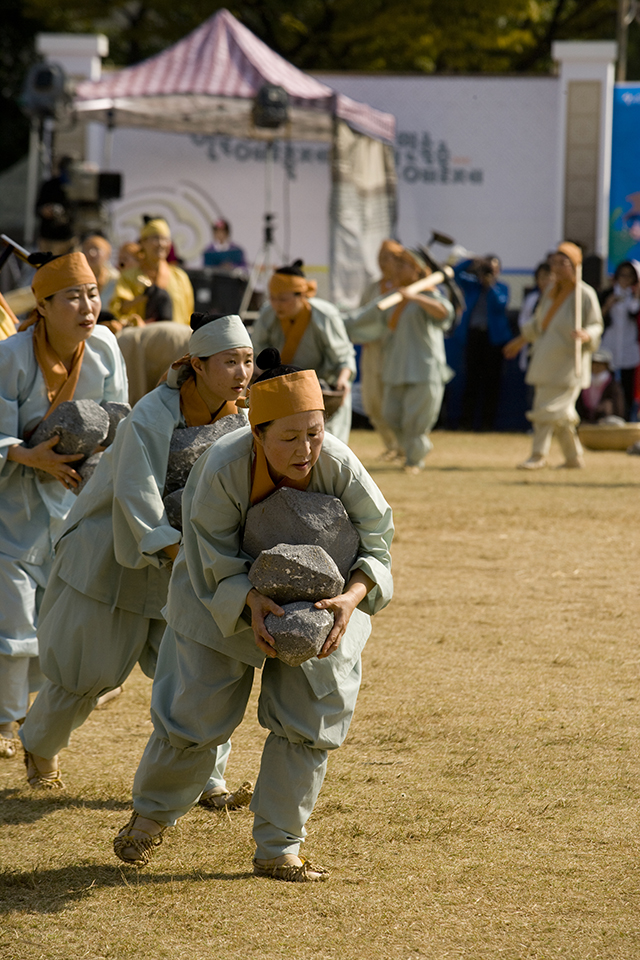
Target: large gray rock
[[296, 517], [87, 470], [82, 425], [300, 634], [189, 443], [116, 412], [173, 506], [289, 573]]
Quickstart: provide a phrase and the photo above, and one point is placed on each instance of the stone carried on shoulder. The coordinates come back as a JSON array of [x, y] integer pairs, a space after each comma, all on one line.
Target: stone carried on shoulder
[[82, 425], [173, 507], [87, 470], [298, 517], [116, 412], [189, 443], [300, 634], [288, 573]]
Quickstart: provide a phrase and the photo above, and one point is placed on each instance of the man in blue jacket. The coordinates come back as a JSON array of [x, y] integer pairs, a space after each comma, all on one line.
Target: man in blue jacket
[[482, 332]]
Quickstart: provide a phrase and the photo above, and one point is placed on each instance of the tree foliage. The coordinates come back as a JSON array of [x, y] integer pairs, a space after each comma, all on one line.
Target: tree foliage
[[421, 36], [427, 36]]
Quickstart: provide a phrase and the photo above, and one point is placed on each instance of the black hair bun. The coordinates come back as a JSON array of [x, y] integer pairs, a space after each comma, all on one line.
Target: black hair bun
[[292, 270], [39, 258], [268, 359], [198, 320]]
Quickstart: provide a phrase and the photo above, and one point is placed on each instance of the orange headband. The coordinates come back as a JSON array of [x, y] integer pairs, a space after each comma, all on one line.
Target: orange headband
[[60, 274], [390, 246], [572, 251], [283, 396], [288, 283]]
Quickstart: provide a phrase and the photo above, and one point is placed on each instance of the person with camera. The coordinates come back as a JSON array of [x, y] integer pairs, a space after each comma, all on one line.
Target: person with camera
[[482, 332]]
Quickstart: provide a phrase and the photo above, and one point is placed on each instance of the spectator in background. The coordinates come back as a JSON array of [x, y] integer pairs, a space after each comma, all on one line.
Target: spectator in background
[[129, 256], [620, 309], [97, 250], [483, 329], [605, 397], [222, 253], [53, 208], [155, 289]]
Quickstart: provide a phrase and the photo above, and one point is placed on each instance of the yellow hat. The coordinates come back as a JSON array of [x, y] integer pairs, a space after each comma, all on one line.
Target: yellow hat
[[156, 228]]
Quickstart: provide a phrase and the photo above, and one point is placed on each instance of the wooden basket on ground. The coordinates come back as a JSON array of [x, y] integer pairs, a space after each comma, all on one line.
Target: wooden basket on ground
[[607, 436]]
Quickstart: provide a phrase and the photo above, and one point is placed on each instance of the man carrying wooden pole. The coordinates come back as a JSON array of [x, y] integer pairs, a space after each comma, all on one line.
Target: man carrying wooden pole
[[565, 330]]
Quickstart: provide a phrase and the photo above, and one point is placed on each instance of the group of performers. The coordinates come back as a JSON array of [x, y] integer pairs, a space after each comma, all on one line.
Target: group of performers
[[93, 584], [102, 580]]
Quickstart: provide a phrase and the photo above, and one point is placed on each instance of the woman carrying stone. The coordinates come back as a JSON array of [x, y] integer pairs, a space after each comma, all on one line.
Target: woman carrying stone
[[552, 368], [60, 356], [101, 612], [309, 333], [216, 635]]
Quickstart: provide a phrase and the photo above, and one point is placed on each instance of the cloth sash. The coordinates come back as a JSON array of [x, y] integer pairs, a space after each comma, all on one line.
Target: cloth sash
[[294, 330], [395, 316], [560, 293], [195, 411], [60, 383], [262, 486]]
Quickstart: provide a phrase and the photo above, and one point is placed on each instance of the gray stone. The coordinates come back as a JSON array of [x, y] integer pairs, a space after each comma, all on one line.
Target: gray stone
[[81, 425], [300, 634], [116, 412], [289, 573], [173, 506], [87, 470], [296, 517], [189, 443]]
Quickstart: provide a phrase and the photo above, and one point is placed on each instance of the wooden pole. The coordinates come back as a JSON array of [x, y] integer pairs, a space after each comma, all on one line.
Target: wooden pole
[[427, 283], [578, 320]]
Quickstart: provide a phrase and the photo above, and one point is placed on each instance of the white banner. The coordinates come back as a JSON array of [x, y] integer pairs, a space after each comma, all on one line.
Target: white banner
[[476, 157]]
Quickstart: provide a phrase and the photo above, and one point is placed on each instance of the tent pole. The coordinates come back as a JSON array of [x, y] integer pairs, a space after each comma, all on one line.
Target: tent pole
[[263, 260]]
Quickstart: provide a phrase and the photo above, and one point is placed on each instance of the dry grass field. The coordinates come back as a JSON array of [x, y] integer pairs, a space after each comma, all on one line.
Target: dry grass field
[[485, 804]]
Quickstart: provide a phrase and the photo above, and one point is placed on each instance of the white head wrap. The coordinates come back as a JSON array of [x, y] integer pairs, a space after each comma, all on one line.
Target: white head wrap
[[226, 333]]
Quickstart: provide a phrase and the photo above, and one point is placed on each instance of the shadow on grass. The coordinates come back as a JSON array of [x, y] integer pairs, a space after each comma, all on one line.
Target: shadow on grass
[[567, 483], [18, 808], [51, 891]]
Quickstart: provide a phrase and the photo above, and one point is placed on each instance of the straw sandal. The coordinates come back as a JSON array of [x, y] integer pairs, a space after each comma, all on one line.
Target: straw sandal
[[221, 799], [282, 868], [535, 462], [46, 780], [143, 847], [8, 747]]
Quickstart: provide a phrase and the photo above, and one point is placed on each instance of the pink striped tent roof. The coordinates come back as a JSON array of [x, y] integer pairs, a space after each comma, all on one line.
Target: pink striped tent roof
[[206, 83]]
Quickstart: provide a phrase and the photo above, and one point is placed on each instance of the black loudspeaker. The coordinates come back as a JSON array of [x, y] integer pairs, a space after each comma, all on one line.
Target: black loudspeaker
[[592, 270], [216, 292], [270, 107], [109, 186]]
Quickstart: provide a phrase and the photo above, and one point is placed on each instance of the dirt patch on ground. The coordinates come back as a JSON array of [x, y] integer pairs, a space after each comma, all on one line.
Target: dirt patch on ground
[[485, 803]]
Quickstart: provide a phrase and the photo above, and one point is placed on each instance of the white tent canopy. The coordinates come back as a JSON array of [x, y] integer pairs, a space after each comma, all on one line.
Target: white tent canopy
[[206, 84]]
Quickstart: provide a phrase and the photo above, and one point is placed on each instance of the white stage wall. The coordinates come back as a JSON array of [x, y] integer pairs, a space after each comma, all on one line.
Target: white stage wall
[[477, 159]]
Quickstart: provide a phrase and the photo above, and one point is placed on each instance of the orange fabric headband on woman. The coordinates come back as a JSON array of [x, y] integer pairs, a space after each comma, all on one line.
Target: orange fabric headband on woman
[[60, 274], [289, 283], [283, 396], [572, 251]]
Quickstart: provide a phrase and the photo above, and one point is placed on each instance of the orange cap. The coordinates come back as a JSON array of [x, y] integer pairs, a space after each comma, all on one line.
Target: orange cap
[[283, 396], [60, 274]]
